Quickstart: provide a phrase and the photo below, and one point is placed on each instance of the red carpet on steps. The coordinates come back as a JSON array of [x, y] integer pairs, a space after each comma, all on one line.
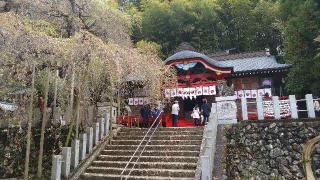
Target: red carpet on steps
[[181, 122]]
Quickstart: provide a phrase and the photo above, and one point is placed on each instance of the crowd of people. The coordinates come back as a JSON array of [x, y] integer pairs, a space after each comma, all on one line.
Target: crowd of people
[[147, 111]]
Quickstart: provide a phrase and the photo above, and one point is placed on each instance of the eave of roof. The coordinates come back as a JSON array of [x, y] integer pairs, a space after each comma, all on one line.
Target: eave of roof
[[191, 55], [240, 63], [255, 64]]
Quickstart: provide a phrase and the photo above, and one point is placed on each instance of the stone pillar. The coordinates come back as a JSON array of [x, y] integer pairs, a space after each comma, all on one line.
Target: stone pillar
[[102, 128], [260, 108], [56, 167], [310, 106], [83, 146], [107, 124], [66, 156], [293, 107], [96, 134], [205, 168], [75, 153], [276, 107], [89, 139], [244, 108]]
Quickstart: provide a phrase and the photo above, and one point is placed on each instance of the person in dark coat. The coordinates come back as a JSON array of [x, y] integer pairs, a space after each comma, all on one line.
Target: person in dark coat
[[154, 114], [144, 112], [205, 110]]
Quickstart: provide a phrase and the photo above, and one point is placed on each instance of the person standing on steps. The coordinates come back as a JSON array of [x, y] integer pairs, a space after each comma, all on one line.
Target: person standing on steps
[[175, 113], [154, 114], [205, 109], [144, 112], [196, 115]]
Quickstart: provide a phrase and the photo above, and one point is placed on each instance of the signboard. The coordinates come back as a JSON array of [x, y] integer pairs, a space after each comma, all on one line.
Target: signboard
[[227, 109]]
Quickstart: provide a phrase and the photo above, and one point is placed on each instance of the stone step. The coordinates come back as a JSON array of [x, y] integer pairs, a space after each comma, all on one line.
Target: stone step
[[163, 129], [143, 172], [95, 176], [155, 147], [149, 158], [150, 153], [146, 165], [160, 133], [157, 142], [160, 137]]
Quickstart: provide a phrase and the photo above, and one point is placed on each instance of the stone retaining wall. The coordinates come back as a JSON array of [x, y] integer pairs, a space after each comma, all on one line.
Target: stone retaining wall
[[269, 150]]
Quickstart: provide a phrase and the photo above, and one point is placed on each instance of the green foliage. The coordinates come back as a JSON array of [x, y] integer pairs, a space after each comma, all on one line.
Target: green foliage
[[301, 25], [209, 25]]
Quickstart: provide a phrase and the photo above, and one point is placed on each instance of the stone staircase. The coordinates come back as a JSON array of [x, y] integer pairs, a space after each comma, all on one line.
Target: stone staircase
[[172, 153]]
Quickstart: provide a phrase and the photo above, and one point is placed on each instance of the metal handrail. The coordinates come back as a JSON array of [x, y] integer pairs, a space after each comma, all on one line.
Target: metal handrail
[[151, 127]]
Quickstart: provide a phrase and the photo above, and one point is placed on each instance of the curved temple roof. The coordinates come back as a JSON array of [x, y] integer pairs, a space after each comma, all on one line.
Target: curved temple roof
[[191, 54], [239, 65]]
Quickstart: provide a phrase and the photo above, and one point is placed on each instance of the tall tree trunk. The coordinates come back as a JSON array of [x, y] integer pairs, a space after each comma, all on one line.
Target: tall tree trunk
[[78, 112], [70, 107], [43, 125], [26, 167], [54, 106]]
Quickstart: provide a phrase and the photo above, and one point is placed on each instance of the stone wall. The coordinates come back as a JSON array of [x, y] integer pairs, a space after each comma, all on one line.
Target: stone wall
[[269, 150]]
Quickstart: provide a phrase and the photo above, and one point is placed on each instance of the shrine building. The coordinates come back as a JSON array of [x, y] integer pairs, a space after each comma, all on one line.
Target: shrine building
[[202, 76]]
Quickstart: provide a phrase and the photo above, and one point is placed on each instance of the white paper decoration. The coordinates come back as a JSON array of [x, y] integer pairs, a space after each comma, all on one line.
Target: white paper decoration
[[199, 91], [186, 93], [180, 92], [173, 92], [240, 94], [167, 93], [212, 90], [254, 93], [141, 100], [136, 101], [247, 93], [146, 100], [260, 92], [131, 102], [268, 90], [205, 90], [192, 91]]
